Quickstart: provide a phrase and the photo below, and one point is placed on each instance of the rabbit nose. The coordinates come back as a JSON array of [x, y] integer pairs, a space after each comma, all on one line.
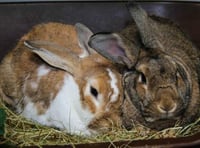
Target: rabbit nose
[[166, 100], [166, 108]]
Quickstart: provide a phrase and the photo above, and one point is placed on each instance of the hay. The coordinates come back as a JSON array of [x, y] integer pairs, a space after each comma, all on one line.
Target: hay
[[21, 132]]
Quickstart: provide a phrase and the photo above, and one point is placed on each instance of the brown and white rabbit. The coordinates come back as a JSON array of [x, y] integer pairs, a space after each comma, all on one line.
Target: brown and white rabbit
[[54, 78], [161, 85]]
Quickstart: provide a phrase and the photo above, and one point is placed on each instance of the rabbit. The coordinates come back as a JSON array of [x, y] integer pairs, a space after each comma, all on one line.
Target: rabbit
[[54, 78], [161, 70]]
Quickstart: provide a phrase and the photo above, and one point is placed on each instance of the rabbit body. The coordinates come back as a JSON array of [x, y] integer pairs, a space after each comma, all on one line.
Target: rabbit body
[[53, 78], [162, 69], [166, 83]]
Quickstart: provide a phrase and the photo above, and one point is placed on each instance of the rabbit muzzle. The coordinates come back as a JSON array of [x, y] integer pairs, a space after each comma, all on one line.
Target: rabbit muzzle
[[166, 105], [166, 100]]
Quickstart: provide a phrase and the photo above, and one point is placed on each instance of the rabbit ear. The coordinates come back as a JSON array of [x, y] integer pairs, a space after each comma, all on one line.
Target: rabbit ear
[[148, 29], [183, 71], [53, 55], [84, 34], [110, 45]]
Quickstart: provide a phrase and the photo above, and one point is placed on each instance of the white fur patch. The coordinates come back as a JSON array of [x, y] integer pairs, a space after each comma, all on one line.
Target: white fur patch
[[34, 85], [43, 70], [65, 112], [113, 83]]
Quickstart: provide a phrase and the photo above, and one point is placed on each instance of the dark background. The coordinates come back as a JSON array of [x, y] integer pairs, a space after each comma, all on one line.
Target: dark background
[[18, 18]]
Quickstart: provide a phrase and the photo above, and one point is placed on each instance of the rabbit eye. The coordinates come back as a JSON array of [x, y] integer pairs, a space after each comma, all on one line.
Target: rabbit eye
[[178, 75], [93, 91], [142, 78]]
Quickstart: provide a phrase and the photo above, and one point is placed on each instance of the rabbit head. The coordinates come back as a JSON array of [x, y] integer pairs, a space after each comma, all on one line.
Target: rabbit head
[[161, 80], [54, 85]]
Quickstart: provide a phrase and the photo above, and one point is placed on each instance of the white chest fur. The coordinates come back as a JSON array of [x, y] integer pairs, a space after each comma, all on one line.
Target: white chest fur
[[65, 111]]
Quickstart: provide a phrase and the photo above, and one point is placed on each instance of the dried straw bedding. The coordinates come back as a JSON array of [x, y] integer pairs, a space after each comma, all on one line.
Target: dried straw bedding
[[22, 132]]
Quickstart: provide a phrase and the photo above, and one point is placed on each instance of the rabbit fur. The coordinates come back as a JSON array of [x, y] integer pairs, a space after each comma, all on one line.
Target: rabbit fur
[[161, 70], [54, 78]]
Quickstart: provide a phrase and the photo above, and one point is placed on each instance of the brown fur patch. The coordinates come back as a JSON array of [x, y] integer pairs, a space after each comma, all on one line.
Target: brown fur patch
[[47, 87]]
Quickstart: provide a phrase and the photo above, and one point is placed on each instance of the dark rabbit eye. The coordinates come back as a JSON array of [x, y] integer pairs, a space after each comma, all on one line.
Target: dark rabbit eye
[[93, 91], [178, 76], [142, 78], [179, 79]]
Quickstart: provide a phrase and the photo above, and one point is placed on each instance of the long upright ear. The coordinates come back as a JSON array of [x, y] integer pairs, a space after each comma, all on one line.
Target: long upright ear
[[112, 47], [148, 28], [54, 55], [84, 34]]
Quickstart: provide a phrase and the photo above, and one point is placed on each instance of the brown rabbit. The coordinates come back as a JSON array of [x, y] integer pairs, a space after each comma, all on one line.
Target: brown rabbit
[[54, 78], [161, 85]]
